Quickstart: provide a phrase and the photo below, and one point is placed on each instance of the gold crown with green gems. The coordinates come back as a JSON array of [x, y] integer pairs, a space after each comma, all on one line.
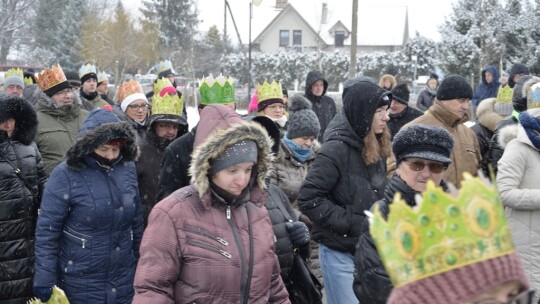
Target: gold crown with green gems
[[168, 104], [442, 233], [217, 91], [161, 84], [14, 72], [269, 91]]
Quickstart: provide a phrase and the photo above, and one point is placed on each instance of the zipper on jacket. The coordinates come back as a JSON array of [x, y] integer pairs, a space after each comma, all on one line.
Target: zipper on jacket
[[228, 212], [206, 234], [209, 247], [78, 238], [244, 294]]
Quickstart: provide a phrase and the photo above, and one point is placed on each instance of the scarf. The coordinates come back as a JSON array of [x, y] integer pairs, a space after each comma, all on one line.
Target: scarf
[[89, 96], [299, 153], [281, 121], [532, 128]]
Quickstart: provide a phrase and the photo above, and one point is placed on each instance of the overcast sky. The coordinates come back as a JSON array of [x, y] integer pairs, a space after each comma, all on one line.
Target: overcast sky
[[424, 15]]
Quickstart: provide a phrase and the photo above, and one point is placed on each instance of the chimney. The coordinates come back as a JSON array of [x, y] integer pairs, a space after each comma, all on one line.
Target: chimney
[[281, 3], [324, 14]]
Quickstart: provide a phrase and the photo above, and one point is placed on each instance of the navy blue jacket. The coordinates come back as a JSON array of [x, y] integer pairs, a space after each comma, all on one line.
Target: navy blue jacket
[[486, 90]]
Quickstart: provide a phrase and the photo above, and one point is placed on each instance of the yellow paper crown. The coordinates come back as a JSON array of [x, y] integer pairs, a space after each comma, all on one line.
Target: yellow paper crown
[[51, 77], [269, 91], [443, 233], [168, 104], [102, 76], [533, 99], [14, 72], [128, 88], [28, 81], [87, 69], [505, 95], [161, 84], [163, 66], [217, 91]]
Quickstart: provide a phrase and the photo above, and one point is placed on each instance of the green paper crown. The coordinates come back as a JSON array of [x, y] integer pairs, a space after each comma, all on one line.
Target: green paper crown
[[217, 91], [14, 72], [533, 100], [58, 297], [443, 233], [87, 69], [269, 91], [505, 95]]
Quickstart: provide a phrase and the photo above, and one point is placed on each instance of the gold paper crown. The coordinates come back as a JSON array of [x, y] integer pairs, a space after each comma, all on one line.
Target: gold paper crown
[[161, 84], [58, 296], [168, 104], [533, 100], [102, 76], [128, 88], [163, 66], [505, 95], [269, 91], [51, 77], [28, 81], [87, 69], [14, 72], [216, 91], [443, 233]]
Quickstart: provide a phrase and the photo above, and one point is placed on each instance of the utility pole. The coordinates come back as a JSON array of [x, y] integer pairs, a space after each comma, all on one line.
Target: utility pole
[[249, 53], [354, 39]]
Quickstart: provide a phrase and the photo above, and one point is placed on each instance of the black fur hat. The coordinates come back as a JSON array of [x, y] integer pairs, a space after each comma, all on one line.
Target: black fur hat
[[25, 118]]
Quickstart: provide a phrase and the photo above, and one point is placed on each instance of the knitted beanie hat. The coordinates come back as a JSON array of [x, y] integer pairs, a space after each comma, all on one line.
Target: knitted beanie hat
[[14, 80], [425, 142], [503, 102], [242, 151], [302, 120], [401, 93], [454, 87], [463, 283]]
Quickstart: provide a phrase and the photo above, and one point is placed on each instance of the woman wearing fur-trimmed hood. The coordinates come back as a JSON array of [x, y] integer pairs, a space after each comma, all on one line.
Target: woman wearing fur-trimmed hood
[[216, 234], [90, 225]]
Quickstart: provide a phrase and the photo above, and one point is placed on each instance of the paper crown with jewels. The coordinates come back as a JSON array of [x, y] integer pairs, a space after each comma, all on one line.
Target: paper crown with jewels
[[129, 88], [14, 72], [50, 78], [102, 76], [217, 91], [533, 100], [505, 95], [166, 104], [268, 91], [442, 233], [163, 66], [28, 81], [87, 69]]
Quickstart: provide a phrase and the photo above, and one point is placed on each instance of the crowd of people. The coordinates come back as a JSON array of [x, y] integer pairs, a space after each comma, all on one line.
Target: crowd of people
[[121, 201]]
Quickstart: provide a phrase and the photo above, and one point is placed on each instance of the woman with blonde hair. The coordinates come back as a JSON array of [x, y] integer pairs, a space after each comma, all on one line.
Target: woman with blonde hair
[[347, 176], [387, 82]]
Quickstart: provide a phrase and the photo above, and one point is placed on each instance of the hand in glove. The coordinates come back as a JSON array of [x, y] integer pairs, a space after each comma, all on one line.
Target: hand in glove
[[298, 232], [43, 293]]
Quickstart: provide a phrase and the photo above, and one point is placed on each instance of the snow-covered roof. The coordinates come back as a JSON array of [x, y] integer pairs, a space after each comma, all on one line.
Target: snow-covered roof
[[377, 25]]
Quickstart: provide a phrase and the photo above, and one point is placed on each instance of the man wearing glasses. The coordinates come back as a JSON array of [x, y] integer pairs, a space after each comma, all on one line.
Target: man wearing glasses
[[449, 111], [59, 119]]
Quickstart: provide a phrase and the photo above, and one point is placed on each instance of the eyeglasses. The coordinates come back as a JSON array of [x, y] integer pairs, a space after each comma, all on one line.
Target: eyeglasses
[[419, 166], [64, 92], [137, 107], [524, 297]]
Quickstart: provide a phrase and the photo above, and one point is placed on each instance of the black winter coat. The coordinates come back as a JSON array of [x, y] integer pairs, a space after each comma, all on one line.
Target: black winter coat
[[484, 136], [18, 204], [340, 186], [173, 174], [425, 99], [495, 151], [323, 106], [399, 120]]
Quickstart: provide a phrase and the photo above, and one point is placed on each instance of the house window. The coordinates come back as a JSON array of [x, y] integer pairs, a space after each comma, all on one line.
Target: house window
[[339, 37], [297, 38], [283, 38]]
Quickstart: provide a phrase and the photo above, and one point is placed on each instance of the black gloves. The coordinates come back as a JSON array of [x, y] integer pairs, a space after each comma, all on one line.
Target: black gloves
[[43, 293], [298, 232]]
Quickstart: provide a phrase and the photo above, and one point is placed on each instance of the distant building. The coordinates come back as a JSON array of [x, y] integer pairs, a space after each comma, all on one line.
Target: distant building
[[380, 28]]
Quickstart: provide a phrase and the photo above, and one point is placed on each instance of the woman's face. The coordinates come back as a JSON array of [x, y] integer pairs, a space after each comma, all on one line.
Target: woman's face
[[234, 179], [8, 126], [109, 152], [317, 88], [416, 172], [137, 110], [432, 84], [505, 293], [304, 142], [380, 119], [274, 111]]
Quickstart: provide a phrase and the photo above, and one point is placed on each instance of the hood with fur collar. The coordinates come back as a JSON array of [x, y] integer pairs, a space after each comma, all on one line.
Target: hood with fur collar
[[100, 127], [487, 115], [219, 141], [25, 118]]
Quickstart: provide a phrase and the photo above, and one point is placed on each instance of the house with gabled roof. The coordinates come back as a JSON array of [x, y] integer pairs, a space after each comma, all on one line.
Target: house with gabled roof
[[299, 26]]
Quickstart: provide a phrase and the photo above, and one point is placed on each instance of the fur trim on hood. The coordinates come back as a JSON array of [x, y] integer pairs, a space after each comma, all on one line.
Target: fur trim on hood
[[219, 141], [25, 118], [487, 115], [506, 134], [100, 135]]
